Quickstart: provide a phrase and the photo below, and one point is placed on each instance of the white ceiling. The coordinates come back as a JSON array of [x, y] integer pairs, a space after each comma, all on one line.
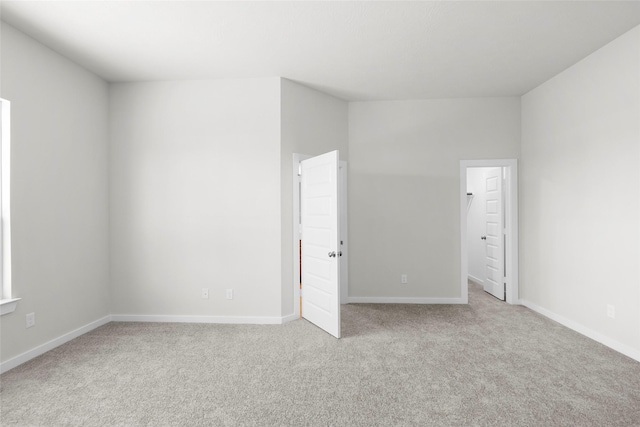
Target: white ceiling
[[360, 50]]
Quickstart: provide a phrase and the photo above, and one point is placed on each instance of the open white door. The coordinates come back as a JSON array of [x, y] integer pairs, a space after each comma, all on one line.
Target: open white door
[[320, 242], [494, 284]]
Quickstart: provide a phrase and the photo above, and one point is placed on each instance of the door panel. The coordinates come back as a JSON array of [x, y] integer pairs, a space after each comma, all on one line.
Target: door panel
[[494, 284], [320, 239]]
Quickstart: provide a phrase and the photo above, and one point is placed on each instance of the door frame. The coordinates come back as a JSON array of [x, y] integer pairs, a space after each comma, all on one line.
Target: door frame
[[344, 260], [510, 223]]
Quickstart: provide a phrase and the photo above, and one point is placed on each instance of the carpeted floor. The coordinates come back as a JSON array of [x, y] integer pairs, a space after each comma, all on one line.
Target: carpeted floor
[[487, 363]]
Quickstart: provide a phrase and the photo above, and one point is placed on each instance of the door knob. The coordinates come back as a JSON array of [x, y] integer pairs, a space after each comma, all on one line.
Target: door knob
[[483, 237], [332, 254]]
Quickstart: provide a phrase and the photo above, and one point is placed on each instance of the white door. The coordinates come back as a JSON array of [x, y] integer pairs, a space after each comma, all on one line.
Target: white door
[[494, 284], [320, 242]]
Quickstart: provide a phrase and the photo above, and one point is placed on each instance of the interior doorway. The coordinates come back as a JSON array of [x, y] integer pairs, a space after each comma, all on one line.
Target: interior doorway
[[299, 253], [485, 222], [489, 227]]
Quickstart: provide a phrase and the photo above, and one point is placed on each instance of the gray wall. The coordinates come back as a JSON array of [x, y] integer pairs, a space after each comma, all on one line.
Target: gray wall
[[195, 197], [580, 192], [59, 193], [404, 210]]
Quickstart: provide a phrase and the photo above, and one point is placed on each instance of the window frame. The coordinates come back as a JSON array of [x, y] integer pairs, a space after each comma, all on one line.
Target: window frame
[[7, 302]]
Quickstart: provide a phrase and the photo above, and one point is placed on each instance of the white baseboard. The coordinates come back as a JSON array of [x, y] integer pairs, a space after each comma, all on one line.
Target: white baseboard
[[475, 280], [404, 300], [238, 320], [611, 343], [290, 317], [41, 349]]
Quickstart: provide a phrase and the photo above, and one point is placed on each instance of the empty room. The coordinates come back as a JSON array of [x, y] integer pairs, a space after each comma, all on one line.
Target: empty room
[[320, 213]]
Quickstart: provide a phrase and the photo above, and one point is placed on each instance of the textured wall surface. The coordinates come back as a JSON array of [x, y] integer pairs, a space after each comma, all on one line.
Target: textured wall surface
[[580, 187], [195, 197], [404, 210], [59, 193]]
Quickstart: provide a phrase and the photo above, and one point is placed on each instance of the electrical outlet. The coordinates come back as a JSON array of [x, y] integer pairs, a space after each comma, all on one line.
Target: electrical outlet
[[205, 293], [31, 320], [611, 311], [404, 279], [229, 293]]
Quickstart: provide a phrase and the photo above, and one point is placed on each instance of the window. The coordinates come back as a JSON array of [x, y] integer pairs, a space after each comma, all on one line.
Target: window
[[7, 303]]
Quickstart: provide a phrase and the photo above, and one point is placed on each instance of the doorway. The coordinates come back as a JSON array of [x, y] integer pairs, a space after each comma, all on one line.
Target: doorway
[[485, 222], [489, 190], [342, 247]]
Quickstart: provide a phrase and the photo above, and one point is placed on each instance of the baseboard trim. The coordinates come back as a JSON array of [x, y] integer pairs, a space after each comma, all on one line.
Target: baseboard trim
[[404, 300], [589, 333], [238, 320], [290, 317], [475, 280], [50, 345]]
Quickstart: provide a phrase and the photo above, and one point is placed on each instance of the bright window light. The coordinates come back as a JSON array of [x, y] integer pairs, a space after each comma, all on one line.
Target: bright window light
[[7, 300]]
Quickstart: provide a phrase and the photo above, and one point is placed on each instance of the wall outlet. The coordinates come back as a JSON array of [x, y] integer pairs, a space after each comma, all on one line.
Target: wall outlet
[[611, 311], [31, 320], [404, 279], [229, 293], [205, 293]]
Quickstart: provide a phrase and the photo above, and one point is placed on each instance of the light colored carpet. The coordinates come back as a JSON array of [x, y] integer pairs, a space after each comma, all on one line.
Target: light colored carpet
[[487, 363]]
